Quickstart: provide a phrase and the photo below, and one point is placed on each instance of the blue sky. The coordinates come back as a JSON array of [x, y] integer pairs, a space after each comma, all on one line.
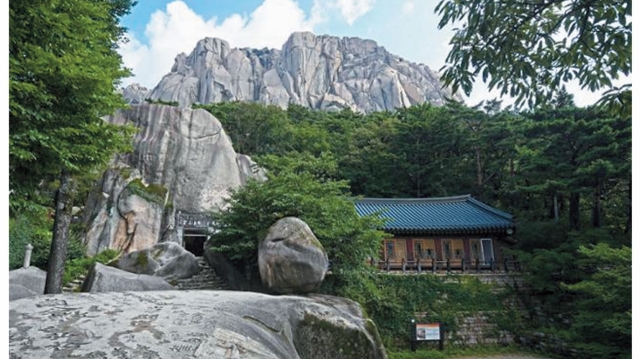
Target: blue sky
[[159, 30]]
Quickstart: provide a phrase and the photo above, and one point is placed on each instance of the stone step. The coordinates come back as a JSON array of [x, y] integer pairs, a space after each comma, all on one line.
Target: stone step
[[74, 285], [206, 279]]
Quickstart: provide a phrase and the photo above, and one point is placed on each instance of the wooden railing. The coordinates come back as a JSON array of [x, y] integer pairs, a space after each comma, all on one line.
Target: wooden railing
[[448, 265]]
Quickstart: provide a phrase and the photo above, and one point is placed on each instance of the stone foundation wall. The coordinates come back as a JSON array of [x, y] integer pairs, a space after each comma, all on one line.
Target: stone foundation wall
[[477, 329]]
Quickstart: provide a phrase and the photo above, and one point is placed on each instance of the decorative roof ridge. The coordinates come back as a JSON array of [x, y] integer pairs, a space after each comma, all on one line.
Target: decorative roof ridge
[[450, 199], [491, 209]]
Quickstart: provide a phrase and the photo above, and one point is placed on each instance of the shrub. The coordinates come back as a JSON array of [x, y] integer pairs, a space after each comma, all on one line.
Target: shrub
[[23, 230], [153, 192], [392, 300], [300, 187], [75, 268]]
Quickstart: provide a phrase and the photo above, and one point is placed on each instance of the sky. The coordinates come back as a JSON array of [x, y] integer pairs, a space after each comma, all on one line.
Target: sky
[[159, 30]]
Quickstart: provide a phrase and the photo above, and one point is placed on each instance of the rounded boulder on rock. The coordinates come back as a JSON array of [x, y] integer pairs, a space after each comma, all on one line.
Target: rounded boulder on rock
[[168, 260], [103, 278], [290, 258]]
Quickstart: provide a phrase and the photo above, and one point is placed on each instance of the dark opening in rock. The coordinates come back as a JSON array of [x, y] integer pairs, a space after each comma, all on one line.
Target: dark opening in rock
[[194, 243]]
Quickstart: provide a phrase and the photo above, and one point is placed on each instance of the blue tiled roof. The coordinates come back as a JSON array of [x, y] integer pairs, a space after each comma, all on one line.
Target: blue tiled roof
[[445, 215]]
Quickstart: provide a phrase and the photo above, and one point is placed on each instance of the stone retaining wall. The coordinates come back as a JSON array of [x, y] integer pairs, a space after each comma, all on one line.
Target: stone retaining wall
[[477, 329]]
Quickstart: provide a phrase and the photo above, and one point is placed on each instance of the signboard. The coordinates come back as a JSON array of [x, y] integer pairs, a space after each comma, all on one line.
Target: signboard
[[428, 331], [193, 220]]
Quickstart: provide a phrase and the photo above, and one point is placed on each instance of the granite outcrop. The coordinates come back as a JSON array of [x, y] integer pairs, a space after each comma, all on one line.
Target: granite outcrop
[[190, 324], [182, 161], [320, 72]]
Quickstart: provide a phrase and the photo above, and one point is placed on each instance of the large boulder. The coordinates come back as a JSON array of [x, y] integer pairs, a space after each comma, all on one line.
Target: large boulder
[[26, 282], [167, 260], [321, 72], [190, 324], [103, 278], [182, 161], [290, 258]]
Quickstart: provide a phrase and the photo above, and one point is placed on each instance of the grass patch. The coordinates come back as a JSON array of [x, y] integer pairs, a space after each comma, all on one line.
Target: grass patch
[[161, 102], [423, 352], [153, 193], [76, 268]]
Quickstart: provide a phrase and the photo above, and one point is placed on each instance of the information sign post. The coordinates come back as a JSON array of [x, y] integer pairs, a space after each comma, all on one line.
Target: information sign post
[[426, 332]]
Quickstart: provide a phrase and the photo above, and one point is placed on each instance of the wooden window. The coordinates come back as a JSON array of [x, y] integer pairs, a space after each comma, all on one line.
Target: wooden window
[[424, 248], [395, 249], [390, 248], [453, 248], [474, 243]]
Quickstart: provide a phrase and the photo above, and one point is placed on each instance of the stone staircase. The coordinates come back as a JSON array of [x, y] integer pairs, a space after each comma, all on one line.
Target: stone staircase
[[206, 279], [75, 285]]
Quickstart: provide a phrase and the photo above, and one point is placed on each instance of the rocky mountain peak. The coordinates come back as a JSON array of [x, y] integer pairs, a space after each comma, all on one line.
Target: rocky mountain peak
[[321, 72]]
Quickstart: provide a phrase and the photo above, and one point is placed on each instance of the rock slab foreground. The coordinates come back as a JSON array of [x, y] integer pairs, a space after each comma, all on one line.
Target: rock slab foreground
[[190, 324]]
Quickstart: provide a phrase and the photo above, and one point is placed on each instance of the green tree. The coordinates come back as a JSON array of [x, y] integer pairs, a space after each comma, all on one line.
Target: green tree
[[298, 186], [603, 323], [572, 153], [528, 49], [254, 128], [63, 72], [366, 157]]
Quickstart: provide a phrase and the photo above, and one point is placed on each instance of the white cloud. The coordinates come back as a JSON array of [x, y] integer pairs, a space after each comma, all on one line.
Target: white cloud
[[177, 29], [408, 7], [352, 9]]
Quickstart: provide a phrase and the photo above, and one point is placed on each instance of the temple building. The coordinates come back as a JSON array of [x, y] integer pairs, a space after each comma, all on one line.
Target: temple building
[[454, 233]]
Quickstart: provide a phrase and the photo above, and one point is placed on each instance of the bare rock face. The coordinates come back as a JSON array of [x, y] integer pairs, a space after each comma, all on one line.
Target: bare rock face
[[167, 260], [320, 72], [103, 278], [190, 324], [182, 161], [290, 258], [135, 94]]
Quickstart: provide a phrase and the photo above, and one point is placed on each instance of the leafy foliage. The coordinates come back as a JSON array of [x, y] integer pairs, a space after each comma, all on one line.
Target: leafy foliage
[[154, 193], [62, 75], [77, 267], [302, 187], [553, 167], [575, 152], [22, 231], [392, 300], [32, 229], [423, 352], [63, 72], [602, 324], [528, 49], [580, 288]]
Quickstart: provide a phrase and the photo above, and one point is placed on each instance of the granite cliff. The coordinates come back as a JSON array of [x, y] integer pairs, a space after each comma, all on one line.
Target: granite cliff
[[182, 160], [321, 72]]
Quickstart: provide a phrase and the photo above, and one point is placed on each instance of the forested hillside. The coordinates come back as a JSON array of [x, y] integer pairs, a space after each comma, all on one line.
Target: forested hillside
[[565, 172]]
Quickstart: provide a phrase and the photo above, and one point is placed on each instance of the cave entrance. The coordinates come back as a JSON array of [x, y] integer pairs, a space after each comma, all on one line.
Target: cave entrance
[[193, 242], [193, 229]]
